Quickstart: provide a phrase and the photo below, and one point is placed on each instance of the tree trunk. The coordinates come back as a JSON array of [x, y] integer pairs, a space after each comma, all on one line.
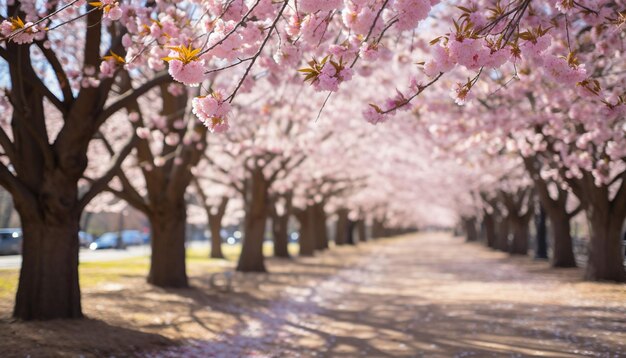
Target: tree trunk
[[306, 239], [606, 255], [167, 262], [556, 210], [251, 258], [350, 233], [490, 230], [361, 230], [281, 236], [562, 243], [541, 244], [341, 232], [320, 231], [469, 225], [48, 285], [280, 223], [502, 238], [519, 245], [215, 225]]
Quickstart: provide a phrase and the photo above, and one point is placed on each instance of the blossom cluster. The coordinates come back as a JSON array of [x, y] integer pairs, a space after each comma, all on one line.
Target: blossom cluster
[[212, 110], [327, 74]]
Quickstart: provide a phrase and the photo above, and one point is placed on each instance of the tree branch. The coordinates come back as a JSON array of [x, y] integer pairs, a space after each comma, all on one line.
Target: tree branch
[[100, 184], [132, 95]]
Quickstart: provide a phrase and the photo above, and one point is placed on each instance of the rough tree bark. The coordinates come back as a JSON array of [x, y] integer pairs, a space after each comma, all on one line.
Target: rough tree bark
[[167, 261], [606, 218], [48, 286], [606, 254]]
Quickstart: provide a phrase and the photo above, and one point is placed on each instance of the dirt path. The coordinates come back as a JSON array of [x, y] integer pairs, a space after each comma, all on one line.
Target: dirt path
[[426, 295]]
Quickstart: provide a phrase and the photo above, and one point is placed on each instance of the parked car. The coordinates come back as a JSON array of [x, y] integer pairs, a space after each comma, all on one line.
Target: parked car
[[109, 240], [10, 241], [84, 238]]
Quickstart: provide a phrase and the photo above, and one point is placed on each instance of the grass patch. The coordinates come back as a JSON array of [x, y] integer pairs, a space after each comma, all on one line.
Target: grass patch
[[95, 273], [8, 283]]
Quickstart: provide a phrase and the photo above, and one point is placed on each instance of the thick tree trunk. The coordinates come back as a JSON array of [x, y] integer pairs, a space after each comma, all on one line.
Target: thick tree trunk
[[48, 285], [562, 243], [556, 210], [469, 225], [518, 219], [306, 239], [251, 258], [341, 231], [541, 242], [320, 231], [167, 262], [281, 236], [606, 255]]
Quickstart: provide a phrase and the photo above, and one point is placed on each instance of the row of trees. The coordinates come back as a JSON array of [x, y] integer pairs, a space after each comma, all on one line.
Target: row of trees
[[94, 106]]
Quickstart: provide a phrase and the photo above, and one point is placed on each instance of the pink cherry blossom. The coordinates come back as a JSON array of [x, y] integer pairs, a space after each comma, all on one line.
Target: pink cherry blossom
[[190, 74]]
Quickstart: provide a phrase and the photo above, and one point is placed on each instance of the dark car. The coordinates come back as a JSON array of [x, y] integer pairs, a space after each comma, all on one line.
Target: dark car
[[10, 241], [109, 240]]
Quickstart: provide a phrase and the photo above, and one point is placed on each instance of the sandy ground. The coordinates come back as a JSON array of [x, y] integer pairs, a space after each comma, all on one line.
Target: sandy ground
[[426, 295]]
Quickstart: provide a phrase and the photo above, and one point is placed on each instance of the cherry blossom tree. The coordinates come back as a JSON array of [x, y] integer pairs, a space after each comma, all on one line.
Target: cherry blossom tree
[[56, 97], [88, 61]]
